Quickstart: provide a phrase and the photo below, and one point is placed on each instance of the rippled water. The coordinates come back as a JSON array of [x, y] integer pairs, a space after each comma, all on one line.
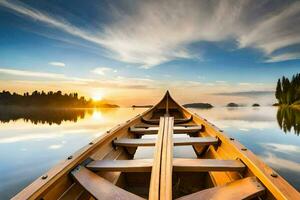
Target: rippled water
[[32, 142]]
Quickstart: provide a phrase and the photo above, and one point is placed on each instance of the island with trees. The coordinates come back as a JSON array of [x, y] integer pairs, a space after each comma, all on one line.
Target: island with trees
[[232, 105], [198, 105], [50, 100], [288, 91], [255, 105]]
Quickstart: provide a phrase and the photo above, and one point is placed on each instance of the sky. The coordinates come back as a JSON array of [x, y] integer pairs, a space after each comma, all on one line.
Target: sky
[[131, 51]]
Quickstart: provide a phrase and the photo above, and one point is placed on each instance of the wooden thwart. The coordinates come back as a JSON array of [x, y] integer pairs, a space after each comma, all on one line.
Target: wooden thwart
[[179, 165], [100, 188], [246, 188], [177, 129], [205, 165], [140, 165], [129, 142], [176, 121]]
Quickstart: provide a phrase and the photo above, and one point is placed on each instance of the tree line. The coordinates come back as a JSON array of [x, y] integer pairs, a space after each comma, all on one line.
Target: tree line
[[49, 99], [288, 91]]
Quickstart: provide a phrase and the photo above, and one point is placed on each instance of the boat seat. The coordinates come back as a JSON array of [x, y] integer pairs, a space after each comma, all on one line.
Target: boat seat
[[140, 165], [99, 187], [176, 121], [179, 165], [128, 142], [205, 165], [176, 129], [246, 188]]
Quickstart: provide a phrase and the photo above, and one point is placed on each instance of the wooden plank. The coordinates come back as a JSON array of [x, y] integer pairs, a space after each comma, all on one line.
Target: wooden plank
[[176, 121], [246, 188], [167, 161], [140, 165], [203, 141], [205, 165], [155, 172], [129, 142], [177, 129], [179, 165], [100, 188]]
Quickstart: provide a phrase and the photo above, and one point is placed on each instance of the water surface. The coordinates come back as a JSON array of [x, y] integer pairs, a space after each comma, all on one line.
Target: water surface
[[32, 142]]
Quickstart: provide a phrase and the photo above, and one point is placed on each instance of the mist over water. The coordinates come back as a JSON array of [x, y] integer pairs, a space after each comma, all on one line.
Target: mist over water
[[34, 140]]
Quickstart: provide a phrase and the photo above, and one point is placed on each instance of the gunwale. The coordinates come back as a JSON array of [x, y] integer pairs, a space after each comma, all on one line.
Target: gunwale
[[276, 186]]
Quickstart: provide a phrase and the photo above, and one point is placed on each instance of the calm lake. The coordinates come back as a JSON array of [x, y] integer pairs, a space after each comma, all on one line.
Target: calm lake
[[33, 141]]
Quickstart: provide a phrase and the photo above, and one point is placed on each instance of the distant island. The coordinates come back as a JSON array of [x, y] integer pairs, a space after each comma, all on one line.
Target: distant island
[[50, 99], [142, 106], [255, 105], [288, 91], [198, 105], [232, 105]]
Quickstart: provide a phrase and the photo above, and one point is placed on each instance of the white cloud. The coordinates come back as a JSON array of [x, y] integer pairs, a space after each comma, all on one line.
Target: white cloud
[[155, 32], [284, 57], [55, 146], [245, 84], [18, 72], [221, 82], [102, 70], [57, 64], [281, 163], [285, 148], [27, 73]]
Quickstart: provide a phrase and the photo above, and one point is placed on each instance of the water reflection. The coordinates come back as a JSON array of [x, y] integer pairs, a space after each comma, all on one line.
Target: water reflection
[[32, 142], [31, 146], [49, 116], [288, 119], [43, 116]]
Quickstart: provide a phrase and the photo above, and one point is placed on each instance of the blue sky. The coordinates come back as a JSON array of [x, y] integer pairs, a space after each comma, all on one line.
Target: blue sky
[[200, 50]]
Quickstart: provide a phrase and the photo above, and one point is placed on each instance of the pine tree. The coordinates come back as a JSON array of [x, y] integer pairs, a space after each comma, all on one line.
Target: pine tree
[[278, 92]]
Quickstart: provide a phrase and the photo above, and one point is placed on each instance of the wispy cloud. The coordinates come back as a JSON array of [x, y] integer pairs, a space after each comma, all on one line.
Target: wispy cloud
[[159, 31], [57, 64], [284, 57], [56, 78], [102, 70], [18, 72], [284, 148], [55, 22], [247, 93], [34, 74]]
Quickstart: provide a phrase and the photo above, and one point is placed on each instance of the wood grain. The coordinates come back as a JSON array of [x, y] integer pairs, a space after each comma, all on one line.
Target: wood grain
[[246, 188]]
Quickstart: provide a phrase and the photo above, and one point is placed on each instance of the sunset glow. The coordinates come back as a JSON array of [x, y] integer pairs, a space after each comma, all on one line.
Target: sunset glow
[[223, 52], [97, 97]]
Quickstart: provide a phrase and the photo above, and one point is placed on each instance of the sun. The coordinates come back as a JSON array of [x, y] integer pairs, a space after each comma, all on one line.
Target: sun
[[97, 97]]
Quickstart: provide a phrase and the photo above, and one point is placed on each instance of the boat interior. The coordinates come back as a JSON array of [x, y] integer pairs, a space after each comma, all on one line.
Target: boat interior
[[165, 153]]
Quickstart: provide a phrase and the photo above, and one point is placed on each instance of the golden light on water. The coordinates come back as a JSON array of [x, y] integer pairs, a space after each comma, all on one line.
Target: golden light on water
[[97, 115]]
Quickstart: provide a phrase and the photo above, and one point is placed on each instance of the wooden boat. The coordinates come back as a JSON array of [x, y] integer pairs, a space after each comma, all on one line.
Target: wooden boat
[[218, 167]]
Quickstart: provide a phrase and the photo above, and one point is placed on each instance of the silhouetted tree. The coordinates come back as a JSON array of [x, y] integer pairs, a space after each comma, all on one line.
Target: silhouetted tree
[[278, 92], [288, 92]]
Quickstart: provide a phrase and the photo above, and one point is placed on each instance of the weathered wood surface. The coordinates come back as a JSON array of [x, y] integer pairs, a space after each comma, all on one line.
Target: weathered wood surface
[[205, 165], [177, 129], [246, 188], [130, 142], [100, 188], [176, 121], [140, 165], [167, 161], [155, 173]]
